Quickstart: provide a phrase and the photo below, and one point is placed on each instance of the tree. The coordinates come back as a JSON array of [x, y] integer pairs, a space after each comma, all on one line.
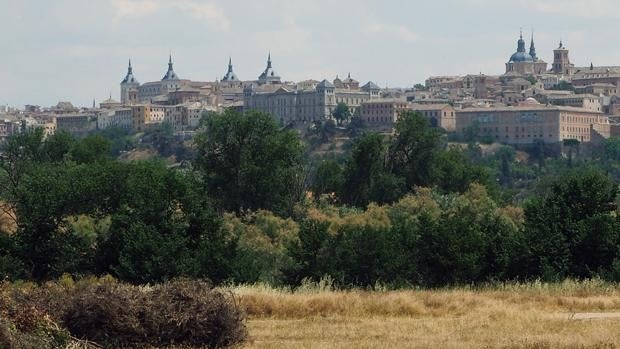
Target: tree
[[120, 139], [162, 138], [455, 172], [572, 145], [91, 149], [563, 86], [571, 228], [46, 197], [163, 228], [413, 150], [356, 126], [328, 179], [365, 177], [247, 163], [341, 113]]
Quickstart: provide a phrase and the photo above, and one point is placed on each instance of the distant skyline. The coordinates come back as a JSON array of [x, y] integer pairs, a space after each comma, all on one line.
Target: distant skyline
[[72, 50]]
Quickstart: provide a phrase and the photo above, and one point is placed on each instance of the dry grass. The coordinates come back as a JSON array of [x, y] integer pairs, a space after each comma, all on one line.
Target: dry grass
[[510, 316]]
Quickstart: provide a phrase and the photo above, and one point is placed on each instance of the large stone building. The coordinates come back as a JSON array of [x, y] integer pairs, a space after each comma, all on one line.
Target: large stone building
[[307, 101], [532, 122], [382, 114]]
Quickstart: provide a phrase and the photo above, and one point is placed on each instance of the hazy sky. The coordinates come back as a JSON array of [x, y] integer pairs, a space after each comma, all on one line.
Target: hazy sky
[[77, 50]]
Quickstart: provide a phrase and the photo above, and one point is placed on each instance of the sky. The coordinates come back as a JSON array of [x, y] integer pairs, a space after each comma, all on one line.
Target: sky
[[77, 50]]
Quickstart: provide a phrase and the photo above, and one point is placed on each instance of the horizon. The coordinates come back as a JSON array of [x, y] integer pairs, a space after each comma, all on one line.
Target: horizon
[[54, 55]]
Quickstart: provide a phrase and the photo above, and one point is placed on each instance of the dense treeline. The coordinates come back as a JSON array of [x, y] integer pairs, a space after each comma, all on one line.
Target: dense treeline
[[407, 209]]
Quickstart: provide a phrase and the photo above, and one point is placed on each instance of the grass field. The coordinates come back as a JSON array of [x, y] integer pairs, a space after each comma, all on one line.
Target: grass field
[[503, 316]]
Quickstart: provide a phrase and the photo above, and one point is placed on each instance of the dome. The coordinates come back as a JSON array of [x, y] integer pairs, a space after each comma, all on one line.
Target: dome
[[521, 57]]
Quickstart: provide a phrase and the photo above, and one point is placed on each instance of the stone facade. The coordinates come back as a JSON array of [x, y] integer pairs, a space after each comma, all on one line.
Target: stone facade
[[305, 103], [529, 124]]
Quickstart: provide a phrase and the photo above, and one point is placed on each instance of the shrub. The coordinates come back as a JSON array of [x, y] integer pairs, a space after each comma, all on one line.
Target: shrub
[[179, 312]]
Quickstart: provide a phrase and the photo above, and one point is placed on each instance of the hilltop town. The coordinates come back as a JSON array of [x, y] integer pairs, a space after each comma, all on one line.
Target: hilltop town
[[533, 101]]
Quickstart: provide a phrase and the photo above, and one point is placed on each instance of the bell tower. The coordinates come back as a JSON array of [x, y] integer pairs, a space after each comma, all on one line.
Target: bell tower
[[561, 61], [129, 87]]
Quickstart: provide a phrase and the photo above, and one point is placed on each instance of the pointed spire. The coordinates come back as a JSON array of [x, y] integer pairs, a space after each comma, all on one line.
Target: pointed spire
[[349, 76], [93, 103], [129, 68], [533, 47], [269, 60], [591, 65], [521, 33]]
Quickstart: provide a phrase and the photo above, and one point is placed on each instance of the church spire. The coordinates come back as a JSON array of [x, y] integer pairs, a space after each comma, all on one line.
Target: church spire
[[533, 47], [170, 74], [521, 42], [269, 60], [129, 78]]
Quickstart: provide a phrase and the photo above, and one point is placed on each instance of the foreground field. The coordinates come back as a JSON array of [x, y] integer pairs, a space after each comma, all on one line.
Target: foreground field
[[515, 316]]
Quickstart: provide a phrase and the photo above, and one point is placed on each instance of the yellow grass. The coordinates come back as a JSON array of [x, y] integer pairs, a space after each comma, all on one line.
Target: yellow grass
[[512, 316]]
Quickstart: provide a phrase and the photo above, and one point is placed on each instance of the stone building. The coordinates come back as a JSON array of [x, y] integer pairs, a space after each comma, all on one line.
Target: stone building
[[129, 87], [382, 114], [121, 118], [561, 61], [528, 124], [79, 124], [439, 115], [584, 101], [305, 102]]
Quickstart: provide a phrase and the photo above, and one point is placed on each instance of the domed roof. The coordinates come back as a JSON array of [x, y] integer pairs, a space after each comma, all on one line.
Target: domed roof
[[129, 78], [521, 55], [170, 74], [230, 75]]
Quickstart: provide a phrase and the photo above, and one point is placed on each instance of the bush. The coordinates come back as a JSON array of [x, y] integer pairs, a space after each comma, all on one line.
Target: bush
[[178, 312]]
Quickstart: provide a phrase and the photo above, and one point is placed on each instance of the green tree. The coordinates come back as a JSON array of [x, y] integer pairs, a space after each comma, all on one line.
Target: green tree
[[162, 139], [163, 228], [91, 149], [341, 113], [328, 179], [246, 162], [455, 172], [362, 170], [413, 150], [571, 228], [563, 86], [356, 126]]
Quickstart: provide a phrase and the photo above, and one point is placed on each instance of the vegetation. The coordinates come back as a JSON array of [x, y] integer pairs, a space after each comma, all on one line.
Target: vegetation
[[257, 205], [342, 113], [103, 312], [533, 315], [406, 210]]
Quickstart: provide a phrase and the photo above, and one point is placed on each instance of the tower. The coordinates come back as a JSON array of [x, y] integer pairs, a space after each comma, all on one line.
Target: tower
[[561, 62], [230, 74], [269, 76], [533, 48], [170, 82], [129, 87]]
